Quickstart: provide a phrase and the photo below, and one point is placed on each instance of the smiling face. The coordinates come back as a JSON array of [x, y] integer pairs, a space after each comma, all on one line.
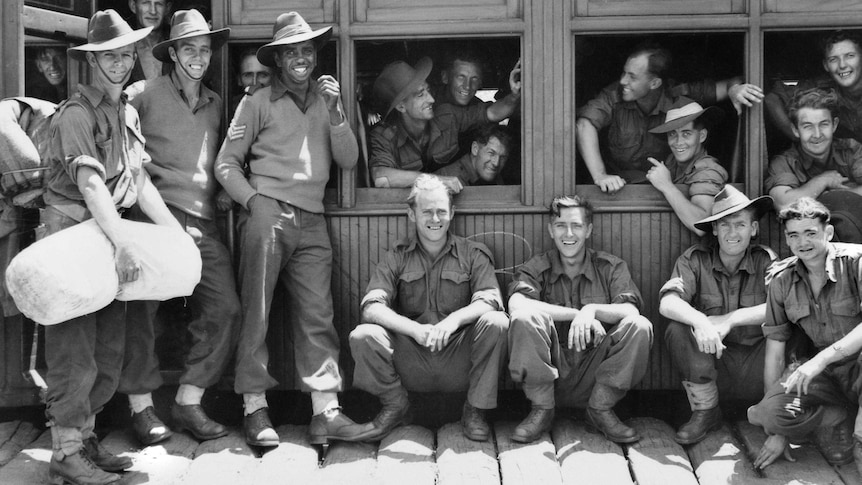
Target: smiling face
[[734, 232], [418, 105], [150, 13], [843, 64], [51, 62], [113, 67], [192, 56], [685, 142], [432, 212], [808, 239], [462, 81], [489, 159], [296, 63], [814, 127], [570, 232], [636, 81]]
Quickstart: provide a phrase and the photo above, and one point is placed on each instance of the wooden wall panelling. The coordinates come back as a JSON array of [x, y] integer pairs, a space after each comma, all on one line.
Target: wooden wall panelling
[[598, 8], [266, 11], [12, 48], [434, 10], [809, 6]]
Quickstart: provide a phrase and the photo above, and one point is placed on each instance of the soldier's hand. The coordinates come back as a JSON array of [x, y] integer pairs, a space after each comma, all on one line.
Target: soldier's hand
[[452, 183], [330, 90], [515, 79], [223, 201], [772, 448], [128, 261], [610, 183], [659, 175], [708, 340]]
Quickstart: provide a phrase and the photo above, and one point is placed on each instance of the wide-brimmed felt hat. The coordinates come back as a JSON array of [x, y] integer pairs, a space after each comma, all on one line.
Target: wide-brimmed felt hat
[[685, 110], [290, 28], [730, 201], [107, 31], [845, 207], [397, 80], [186, 24]]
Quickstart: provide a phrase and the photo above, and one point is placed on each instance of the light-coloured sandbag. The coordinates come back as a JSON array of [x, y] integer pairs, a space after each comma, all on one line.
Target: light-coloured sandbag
[[73, 273]]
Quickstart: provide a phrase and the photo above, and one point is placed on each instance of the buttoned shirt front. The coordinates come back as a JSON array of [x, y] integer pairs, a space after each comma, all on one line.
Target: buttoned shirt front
[[428, 289], [700, 279], [392, 147], [826, 318], [629, 141], [605, 279], [793, 167]]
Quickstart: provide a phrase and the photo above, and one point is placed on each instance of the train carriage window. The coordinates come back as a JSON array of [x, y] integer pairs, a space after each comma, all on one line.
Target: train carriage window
[[695, 58], [466, 73]]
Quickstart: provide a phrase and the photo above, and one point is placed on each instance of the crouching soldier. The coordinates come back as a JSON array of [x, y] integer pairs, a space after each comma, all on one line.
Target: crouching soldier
[[716, 301], [576, 336], [431, 319]]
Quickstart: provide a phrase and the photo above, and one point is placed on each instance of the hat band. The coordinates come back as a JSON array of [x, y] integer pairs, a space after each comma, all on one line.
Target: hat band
[[290, 30]]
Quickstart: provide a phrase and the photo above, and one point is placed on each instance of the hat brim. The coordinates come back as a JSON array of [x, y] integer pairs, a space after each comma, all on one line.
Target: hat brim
[[423, 69], [710, 115], [266, 54], [219, 37], [762, 205], [79, 52]]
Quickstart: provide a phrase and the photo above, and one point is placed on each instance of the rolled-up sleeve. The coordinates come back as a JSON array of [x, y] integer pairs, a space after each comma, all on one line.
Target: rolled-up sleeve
[[622, 287], [682, 280], [599, 110], [781, 173], [77, 144], [382, 285], [777, 325], [483, 280], [707, 178]]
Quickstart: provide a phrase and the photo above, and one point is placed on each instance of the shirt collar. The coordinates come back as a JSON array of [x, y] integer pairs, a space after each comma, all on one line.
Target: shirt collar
[[808, 161], [558, 270], [206, 94], [96, 96], [467, 163], [746, 264], [801, 271], [279, 89]]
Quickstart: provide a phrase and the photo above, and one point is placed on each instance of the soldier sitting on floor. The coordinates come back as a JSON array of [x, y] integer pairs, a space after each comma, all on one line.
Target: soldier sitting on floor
[[587, 300], [716, 301]]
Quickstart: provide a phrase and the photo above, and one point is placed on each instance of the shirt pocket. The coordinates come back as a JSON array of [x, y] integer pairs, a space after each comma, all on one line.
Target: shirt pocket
[[711, 304], [412, 293], [796, 310], [454, 290], [845, 306], [749, 300]]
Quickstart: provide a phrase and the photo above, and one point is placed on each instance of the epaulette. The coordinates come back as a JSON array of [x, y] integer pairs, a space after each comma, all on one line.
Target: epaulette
[[777, 267], [768, 250]]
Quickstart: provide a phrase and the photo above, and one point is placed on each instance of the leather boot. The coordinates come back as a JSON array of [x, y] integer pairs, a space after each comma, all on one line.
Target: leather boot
[[149, 428], [395, 412], [537, 422], [705, 413], [836, 443], [332, 424], [78, 469], [258, 429], [600, 415], [701, 422], [193, 418], [473, 423], [103, 458]]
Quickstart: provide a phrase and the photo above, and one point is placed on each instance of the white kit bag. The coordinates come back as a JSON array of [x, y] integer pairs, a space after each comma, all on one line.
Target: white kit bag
[[72, 272]]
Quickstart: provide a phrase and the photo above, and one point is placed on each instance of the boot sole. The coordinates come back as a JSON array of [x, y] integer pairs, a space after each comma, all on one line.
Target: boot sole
[[700, 438], [201, 437], [620, 440], [57, 479], [157, 439]]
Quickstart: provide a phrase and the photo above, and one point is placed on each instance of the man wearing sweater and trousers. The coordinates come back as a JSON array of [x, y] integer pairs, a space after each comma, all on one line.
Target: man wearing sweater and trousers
[[181, 121], [290, 132]]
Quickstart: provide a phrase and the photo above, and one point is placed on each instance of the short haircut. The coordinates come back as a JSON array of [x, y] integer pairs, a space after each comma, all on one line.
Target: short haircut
[[427, 183], [464, 54], [814, 98], [839, 36], [805, 208], [659, 59], [571, 202], [487, 132], [250, 51]]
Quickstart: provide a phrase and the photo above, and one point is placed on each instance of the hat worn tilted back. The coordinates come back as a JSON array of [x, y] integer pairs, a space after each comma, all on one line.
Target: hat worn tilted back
[[397, 80], [730, 201], [186, 24], [685, 110], [107, 31], [290, 28]]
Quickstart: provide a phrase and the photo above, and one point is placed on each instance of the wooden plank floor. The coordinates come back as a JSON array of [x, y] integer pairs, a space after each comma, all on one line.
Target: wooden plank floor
[[415, 455]]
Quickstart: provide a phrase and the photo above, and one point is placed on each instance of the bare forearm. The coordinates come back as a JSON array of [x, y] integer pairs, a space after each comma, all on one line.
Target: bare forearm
[[687, 211], [745, 317], [393, 177], [677, 309], [588, 146], [470, 313], [387, 318], [503, 108], [558, 313], [784, 196], [612, 313], [773, 363], [778, 115]]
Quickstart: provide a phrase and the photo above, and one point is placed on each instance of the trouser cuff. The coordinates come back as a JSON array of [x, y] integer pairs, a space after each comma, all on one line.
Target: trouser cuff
[[540, 395], [189, 394], [251, 402], [65, 441], [701, 396]]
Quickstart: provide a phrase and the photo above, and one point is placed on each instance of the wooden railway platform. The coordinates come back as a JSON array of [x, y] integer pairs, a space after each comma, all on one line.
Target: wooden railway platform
[[420, 455]]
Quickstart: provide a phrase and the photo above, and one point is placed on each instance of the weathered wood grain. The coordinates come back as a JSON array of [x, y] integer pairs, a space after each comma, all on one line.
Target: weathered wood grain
[[164, 462], [353, 463], [406, 455], [587, 458], [520, 463], [657, 458], [460, 460], [224, 460], [30, 465], [720, 459], [293, 461], [809, 468]]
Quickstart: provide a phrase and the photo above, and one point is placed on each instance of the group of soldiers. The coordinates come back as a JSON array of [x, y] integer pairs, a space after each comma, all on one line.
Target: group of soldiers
[[434, 317]]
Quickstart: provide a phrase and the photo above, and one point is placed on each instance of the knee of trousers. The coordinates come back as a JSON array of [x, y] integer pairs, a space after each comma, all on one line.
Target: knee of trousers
[[638, 327], [525, 321], [495, 322], [367, 336]]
